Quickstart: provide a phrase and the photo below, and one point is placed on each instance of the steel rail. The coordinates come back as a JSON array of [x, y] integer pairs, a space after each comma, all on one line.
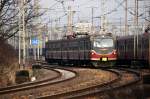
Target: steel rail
[[97, 88], [112, 86], [75, 93], [37, 84], [31, 83]]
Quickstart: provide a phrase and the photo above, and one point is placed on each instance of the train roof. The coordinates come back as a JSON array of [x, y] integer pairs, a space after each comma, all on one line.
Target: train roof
[[145, 35], [63, 40], [83, 37]]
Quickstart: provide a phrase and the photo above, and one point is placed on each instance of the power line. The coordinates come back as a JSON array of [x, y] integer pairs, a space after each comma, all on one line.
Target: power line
[[132, 12], [85, 3], [114, 10]]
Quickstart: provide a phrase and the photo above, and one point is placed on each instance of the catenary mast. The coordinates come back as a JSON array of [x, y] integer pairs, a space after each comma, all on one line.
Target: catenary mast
[[22, 34], [103, 17]]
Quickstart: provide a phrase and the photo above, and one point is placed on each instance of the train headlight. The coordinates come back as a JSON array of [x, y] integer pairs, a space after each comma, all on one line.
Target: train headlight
[[92, 53], [114, 52]]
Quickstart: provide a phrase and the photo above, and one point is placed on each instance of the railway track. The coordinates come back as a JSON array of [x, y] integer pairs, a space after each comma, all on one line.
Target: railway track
[[62, 75], [125, 78], [15, 87], [33, 90]]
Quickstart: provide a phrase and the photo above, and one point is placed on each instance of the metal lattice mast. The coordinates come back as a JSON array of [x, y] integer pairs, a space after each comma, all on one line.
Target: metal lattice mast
[[126, 17], [36, 11], [92, 18], [69, 27], [136, 26], [103, 16], [22, 35], [23, 32], [19, 7]]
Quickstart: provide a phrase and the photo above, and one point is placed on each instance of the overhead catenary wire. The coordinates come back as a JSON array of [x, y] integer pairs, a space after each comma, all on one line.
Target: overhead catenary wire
[[114, 10], [64, 9], [132, 13], [85, 3], [62, 2]]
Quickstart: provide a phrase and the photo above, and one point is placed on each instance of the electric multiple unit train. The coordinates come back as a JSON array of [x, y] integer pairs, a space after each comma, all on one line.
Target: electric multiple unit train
[[92, 50]]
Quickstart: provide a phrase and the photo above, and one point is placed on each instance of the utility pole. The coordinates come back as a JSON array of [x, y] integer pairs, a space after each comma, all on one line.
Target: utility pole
[[22, 36], [20, 7], [78, 15], [136, 27], [36, 47], [136, 12], [51, 25], [70, 21], [120, 23], [126, 18], [92, 18], [103, 16]]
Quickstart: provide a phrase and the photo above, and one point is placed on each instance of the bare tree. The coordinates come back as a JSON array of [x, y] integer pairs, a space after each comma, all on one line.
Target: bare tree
[[9, 23], [9, 26]]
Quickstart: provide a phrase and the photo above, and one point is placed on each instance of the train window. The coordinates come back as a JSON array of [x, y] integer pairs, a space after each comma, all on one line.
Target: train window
[[54, 46], [82, 45], [57, 46], [73, 45], [62, 45], [87, 45], [105, 42], [146, 43], [122, 47], [49, 46], [65, 45]]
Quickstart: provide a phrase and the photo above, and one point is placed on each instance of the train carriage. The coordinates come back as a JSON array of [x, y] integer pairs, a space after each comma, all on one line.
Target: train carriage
[[134, 50], [92, 50]]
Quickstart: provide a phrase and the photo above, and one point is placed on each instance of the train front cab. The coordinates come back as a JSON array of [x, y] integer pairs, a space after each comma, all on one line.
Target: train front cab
[[104, 52]]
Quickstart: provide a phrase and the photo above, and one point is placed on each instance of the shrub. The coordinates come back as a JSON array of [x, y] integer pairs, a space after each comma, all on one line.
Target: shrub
[[8, 63]]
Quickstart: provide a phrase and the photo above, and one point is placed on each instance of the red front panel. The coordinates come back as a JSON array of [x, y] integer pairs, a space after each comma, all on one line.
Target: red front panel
[[110, 56]]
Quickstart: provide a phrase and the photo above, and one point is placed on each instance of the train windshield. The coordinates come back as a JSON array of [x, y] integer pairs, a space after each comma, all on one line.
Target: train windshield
[[104, 42]]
